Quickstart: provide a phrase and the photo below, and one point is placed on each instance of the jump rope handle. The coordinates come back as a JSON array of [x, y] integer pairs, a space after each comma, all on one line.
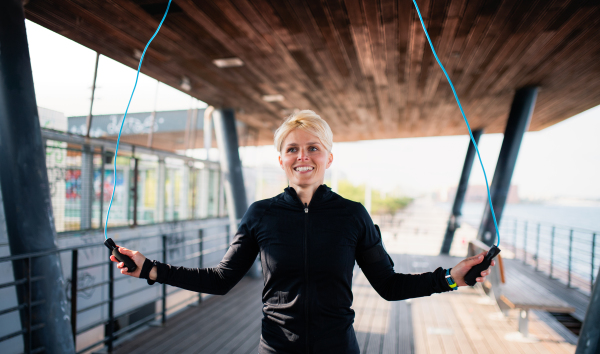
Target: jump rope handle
[[129, 263], [475, 272]]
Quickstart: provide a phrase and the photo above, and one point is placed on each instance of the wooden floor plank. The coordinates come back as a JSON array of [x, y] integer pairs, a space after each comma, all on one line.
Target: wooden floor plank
[[460, 322]]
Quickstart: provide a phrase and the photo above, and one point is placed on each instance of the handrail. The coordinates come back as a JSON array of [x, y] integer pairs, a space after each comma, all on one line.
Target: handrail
[[197, 252]]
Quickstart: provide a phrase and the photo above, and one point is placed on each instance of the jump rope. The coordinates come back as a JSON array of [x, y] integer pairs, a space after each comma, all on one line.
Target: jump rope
[[471, 275]]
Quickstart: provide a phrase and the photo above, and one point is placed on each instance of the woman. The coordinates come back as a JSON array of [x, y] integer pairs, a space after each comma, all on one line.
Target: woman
[[309, 239]]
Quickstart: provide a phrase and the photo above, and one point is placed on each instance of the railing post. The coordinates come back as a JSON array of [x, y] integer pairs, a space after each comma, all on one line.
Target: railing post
[[593, 255], [552, 251], [111, 304], [134, 190], [525, 244], [515, 237], [537, 248], [570, 256], [29, 317], [102, 153], [164, 286], [200, 260], [74, 263]]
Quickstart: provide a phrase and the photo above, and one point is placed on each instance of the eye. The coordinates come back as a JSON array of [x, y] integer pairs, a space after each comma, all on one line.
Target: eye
[[291, 149], [313, 148]]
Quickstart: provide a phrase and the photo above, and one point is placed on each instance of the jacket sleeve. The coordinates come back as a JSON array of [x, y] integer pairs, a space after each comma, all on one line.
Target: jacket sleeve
[[378, 267], [218, 280]]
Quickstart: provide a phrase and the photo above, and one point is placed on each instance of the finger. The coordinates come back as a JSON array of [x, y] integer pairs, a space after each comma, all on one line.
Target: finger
[[112, 258], [120, 265], [474, 260], [126, 251], [493, 263]]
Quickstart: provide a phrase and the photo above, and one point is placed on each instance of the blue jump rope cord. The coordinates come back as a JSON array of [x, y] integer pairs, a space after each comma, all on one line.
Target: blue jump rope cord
[[434, 54], [464, 117], [125, 116]]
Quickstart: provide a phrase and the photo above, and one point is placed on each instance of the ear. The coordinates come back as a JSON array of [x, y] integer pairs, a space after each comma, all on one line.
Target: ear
[[280, 161], [329, 160]]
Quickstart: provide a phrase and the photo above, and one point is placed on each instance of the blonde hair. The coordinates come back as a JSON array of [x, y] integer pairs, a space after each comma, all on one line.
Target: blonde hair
[[308, 121]]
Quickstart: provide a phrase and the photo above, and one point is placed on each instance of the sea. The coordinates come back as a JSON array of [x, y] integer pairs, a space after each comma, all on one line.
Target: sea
[[570, 216], [569, 235]]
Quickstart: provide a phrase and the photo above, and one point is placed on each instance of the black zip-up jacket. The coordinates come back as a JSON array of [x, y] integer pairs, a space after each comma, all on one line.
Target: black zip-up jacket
[[307, 254]]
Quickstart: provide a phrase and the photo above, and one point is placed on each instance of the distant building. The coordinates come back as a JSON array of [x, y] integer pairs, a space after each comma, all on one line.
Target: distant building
[[478, 194]]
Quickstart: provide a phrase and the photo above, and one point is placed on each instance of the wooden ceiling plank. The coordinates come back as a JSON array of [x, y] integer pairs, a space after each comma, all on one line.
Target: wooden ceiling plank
[[373, 14], [280, 81], [365, 56], [389, 15], [325, 67], [536, 15], [444, 50]]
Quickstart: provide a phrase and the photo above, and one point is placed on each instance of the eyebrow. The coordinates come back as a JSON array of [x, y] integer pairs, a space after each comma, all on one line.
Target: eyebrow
[[309, 143]]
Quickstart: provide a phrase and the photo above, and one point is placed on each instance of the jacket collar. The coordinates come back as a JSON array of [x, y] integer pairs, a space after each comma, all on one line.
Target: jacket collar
[[290, 195]]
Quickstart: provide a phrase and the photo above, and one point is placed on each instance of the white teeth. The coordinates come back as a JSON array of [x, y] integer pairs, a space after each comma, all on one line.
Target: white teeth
[[303, 168]]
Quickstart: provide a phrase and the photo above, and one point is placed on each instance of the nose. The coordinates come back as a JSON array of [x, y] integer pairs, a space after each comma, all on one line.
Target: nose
[[302, 155]]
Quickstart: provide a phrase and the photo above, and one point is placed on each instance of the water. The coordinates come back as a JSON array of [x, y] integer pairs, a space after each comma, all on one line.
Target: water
[[585, 217], [566, 248]]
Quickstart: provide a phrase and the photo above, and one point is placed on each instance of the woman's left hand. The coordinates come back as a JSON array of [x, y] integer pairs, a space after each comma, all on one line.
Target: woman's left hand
[[461, 269]]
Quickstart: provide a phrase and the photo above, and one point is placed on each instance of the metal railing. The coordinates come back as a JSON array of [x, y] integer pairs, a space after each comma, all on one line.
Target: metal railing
[[115, 308], [565, 253]]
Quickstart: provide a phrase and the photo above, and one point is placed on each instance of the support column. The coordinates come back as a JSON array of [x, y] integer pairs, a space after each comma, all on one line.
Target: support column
[[516, 126], [160, 193], [25, 190], [589, 337], [454, 221], [231, 166], [87, 187]]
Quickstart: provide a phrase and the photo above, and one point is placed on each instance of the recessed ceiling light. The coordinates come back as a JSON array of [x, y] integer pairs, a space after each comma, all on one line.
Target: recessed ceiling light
[[272, 98], [228, 62], [185, 84]]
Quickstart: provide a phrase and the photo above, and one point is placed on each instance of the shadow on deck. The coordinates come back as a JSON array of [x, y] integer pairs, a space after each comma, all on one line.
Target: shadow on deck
[[465, 321]]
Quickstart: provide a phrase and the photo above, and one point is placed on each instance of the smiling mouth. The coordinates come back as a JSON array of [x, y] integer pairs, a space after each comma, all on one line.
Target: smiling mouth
[[303, 169]]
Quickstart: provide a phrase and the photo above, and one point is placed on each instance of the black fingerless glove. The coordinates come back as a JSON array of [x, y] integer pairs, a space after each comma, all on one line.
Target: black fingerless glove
[[145, 272]]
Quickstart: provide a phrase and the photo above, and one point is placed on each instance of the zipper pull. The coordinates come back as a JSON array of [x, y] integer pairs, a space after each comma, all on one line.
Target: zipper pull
[[305, 208]]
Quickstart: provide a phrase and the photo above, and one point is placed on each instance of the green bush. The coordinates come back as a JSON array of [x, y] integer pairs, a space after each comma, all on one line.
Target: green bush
[[388, 205]]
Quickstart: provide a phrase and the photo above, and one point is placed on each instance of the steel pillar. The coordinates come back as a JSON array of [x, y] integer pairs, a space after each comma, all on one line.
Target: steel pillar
[[87, 187], [589, 337], [25, 191], [231, 166], [454, 221], [516, 126]]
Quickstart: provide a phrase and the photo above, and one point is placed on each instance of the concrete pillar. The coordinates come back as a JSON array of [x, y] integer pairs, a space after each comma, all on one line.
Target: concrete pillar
[[454, 221], [26, 193], [516, 126], [231, 166]]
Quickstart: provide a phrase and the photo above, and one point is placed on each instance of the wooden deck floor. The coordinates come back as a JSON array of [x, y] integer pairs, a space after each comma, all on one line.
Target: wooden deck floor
[[464, 321]]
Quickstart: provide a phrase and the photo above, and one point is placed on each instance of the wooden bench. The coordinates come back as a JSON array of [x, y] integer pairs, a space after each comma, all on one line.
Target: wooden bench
[[515, 291]]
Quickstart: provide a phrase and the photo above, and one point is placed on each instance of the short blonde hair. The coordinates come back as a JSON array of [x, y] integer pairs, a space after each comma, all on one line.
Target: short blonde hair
[[308, 121]]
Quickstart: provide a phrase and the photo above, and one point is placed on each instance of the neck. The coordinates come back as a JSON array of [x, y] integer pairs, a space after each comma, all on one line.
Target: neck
[[305, 193]]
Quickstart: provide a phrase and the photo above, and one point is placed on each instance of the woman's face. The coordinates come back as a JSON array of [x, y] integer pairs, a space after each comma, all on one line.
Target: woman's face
[[304, 159]]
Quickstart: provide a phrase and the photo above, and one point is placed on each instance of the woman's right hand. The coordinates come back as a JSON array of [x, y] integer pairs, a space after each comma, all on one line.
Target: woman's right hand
[[135, 256]]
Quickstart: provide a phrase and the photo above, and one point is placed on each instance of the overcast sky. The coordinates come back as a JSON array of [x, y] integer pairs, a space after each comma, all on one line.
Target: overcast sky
[[560, 161]]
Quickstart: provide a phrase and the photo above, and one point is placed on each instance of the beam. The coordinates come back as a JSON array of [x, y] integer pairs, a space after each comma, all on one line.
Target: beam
[[25, 191], [589, 337], [231, 166], [454, 221], [516, 126]]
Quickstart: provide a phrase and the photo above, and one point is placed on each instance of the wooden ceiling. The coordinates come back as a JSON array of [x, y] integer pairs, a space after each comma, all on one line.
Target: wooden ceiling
[[363, 65]]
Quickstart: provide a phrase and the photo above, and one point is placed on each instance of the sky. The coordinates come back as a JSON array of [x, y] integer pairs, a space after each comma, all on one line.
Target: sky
[[562, 161]]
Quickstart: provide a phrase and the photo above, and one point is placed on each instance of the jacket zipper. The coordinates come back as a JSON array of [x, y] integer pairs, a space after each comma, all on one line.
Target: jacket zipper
[[306, 274]]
